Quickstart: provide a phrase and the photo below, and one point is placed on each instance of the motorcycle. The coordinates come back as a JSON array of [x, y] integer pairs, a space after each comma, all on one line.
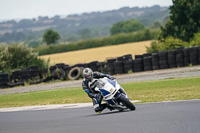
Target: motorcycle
[[112, 93]]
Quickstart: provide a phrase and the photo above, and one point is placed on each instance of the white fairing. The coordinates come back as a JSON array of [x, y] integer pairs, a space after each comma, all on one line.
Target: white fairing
[[111, 92], [106, 88]]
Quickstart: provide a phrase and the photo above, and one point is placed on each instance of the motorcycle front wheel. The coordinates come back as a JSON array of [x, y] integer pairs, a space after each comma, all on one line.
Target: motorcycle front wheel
[[126, 102]]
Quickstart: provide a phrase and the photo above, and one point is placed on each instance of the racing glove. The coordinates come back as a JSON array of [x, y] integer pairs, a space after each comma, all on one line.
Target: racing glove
[[97, 96]]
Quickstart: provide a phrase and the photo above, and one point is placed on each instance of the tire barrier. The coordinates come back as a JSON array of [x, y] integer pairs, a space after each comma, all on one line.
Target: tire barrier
[[163, 60], [52, 68], [59, 73], [147, 55], [179, 58], [147, 63], [121, 58], [75, 73], [93, 65], [100, 66], [118, 67], [155, 61], [25, 75], [172, 59], [109, 68], [15, 77], [198, 50], [138, 56], [123, 64], [67, 68], [4, 79], [193, 55], [44, 73], [138, 65], [128, 65], [35, 72], [186, 55], [60, 65], [111, 60]]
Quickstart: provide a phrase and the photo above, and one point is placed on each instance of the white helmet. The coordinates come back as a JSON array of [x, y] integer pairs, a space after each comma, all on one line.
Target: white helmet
[[88, 74]]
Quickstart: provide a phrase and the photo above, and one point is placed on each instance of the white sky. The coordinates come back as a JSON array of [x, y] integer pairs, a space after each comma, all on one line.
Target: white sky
[[18, 9]]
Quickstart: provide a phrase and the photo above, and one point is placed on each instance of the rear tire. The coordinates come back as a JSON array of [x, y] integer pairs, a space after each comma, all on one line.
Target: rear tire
[[127, 103]]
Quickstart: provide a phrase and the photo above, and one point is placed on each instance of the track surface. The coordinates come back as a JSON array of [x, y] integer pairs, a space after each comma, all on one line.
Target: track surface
[[167, 117]]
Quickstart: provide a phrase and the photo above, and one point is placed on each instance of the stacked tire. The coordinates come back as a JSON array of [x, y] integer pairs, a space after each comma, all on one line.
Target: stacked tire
[[186, 55], [34, 72], [128, 65], [75, 73], [4, 79], [194, 55], [67, 68], [147, 63], [171, 59], [15, 77], [138, 56], [155, 61], [198, 49], [79, 65], [127, 62], [109, 66], [59, 73], [60, 65], [52, 68], [93, 65], [179, 57], [118, 67], [147, 55], [138, 65], [25, 75], [44, 73], [100, 66], [163, 60]]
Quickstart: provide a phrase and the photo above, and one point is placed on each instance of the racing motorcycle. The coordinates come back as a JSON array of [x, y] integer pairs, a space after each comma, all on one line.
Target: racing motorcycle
[[112, 93]]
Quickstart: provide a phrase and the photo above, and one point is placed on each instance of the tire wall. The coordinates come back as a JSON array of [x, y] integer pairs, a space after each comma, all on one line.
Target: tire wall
[[124, 64]]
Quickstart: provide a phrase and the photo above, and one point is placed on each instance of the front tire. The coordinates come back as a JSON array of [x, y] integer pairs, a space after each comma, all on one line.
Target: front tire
[[127, 102]]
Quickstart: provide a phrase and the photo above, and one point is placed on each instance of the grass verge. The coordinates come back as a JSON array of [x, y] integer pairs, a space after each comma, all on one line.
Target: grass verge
[[151, 91]]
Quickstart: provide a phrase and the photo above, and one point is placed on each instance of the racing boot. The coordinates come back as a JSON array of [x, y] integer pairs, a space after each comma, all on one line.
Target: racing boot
[[110, 107], [100, 108]]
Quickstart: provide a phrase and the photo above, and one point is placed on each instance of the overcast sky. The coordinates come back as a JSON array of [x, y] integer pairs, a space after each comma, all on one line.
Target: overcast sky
[[17, 9]]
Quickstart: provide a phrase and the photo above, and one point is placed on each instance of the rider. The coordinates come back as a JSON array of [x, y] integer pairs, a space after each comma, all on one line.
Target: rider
[[88, 75]]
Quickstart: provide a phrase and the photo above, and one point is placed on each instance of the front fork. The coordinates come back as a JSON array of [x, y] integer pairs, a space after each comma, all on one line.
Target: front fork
[[123, 92]]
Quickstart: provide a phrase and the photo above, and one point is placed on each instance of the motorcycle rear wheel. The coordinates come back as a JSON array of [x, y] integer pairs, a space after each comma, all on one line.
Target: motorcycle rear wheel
[[127, 103]]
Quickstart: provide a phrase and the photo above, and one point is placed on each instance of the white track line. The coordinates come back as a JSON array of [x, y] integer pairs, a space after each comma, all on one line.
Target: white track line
[[64, 106], [46, 107]]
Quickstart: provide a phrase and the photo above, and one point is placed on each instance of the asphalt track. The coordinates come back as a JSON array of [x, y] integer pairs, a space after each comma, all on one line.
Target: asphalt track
[[166, 117]]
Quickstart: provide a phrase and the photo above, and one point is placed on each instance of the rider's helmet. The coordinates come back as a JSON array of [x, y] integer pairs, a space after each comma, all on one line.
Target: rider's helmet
[[88, 74]]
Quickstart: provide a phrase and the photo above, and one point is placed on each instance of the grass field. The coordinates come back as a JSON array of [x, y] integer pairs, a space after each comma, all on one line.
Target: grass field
[[97, 54], [151, 91]]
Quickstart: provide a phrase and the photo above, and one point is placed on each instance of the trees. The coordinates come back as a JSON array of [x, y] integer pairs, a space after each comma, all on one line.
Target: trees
[[51, 36], [184, 20], [126, 26], [17, 56]]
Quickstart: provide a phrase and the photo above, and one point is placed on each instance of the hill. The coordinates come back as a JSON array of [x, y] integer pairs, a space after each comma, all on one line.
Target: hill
[[79, 26]]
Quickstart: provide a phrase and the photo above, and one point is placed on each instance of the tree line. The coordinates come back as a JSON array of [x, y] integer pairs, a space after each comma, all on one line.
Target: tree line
[[182, 29]]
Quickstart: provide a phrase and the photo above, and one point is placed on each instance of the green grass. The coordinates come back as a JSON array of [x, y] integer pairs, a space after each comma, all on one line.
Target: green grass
[[151, 91]]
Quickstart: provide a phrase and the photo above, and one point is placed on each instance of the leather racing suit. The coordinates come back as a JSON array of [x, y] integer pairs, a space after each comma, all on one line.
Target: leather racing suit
[[96, 96]]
